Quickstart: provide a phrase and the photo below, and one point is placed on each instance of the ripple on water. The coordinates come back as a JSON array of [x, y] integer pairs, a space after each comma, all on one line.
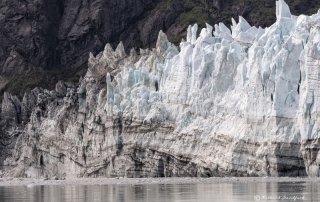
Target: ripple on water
[[226, 192]]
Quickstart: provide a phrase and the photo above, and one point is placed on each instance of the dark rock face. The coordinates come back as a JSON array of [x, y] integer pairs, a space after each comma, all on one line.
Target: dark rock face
[[29, 30], [52, 33]]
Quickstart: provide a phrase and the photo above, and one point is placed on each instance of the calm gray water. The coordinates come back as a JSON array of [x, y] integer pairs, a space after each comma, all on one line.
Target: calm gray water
[[222, 192]]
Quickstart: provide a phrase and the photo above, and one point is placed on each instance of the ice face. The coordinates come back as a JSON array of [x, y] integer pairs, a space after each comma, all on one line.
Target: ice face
[[228, 102], [226, 75]]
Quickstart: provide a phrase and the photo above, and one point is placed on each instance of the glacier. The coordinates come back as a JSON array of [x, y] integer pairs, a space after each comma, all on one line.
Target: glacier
[[227, 102]]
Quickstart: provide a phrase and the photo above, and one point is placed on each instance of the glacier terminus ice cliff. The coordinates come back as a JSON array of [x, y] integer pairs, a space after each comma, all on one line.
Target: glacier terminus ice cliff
[[239, 102]]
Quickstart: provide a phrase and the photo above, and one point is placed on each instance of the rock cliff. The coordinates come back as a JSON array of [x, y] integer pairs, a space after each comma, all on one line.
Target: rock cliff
[[239, 102]]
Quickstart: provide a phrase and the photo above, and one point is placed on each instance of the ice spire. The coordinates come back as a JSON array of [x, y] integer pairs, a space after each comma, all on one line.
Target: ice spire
[[162, 42], [109, 88], [120, 50], [283, 10]]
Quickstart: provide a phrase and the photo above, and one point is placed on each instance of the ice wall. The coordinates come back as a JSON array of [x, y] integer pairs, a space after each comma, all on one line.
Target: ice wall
[[246, 72], [227, 102], [249, 83]]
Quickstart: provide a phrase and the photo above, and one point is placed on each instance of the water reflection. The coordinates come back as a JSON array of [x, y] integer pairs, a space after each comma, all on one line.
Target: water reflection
[[144, 193]]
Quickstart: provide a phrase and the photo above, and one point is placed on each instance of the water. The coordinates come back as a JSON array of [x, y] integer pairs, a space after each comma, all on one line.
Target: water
[[221, 192]]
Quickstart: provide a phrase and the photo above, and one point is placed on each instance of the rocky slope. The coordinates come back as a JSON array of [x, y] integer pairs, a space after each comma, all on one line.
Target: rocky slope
[[39, 39], [240, 102]]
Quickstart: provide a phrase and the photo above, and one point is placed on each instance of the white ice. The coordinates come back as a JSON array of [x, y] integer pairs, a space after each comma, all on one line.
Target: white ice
[[246, 81]]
